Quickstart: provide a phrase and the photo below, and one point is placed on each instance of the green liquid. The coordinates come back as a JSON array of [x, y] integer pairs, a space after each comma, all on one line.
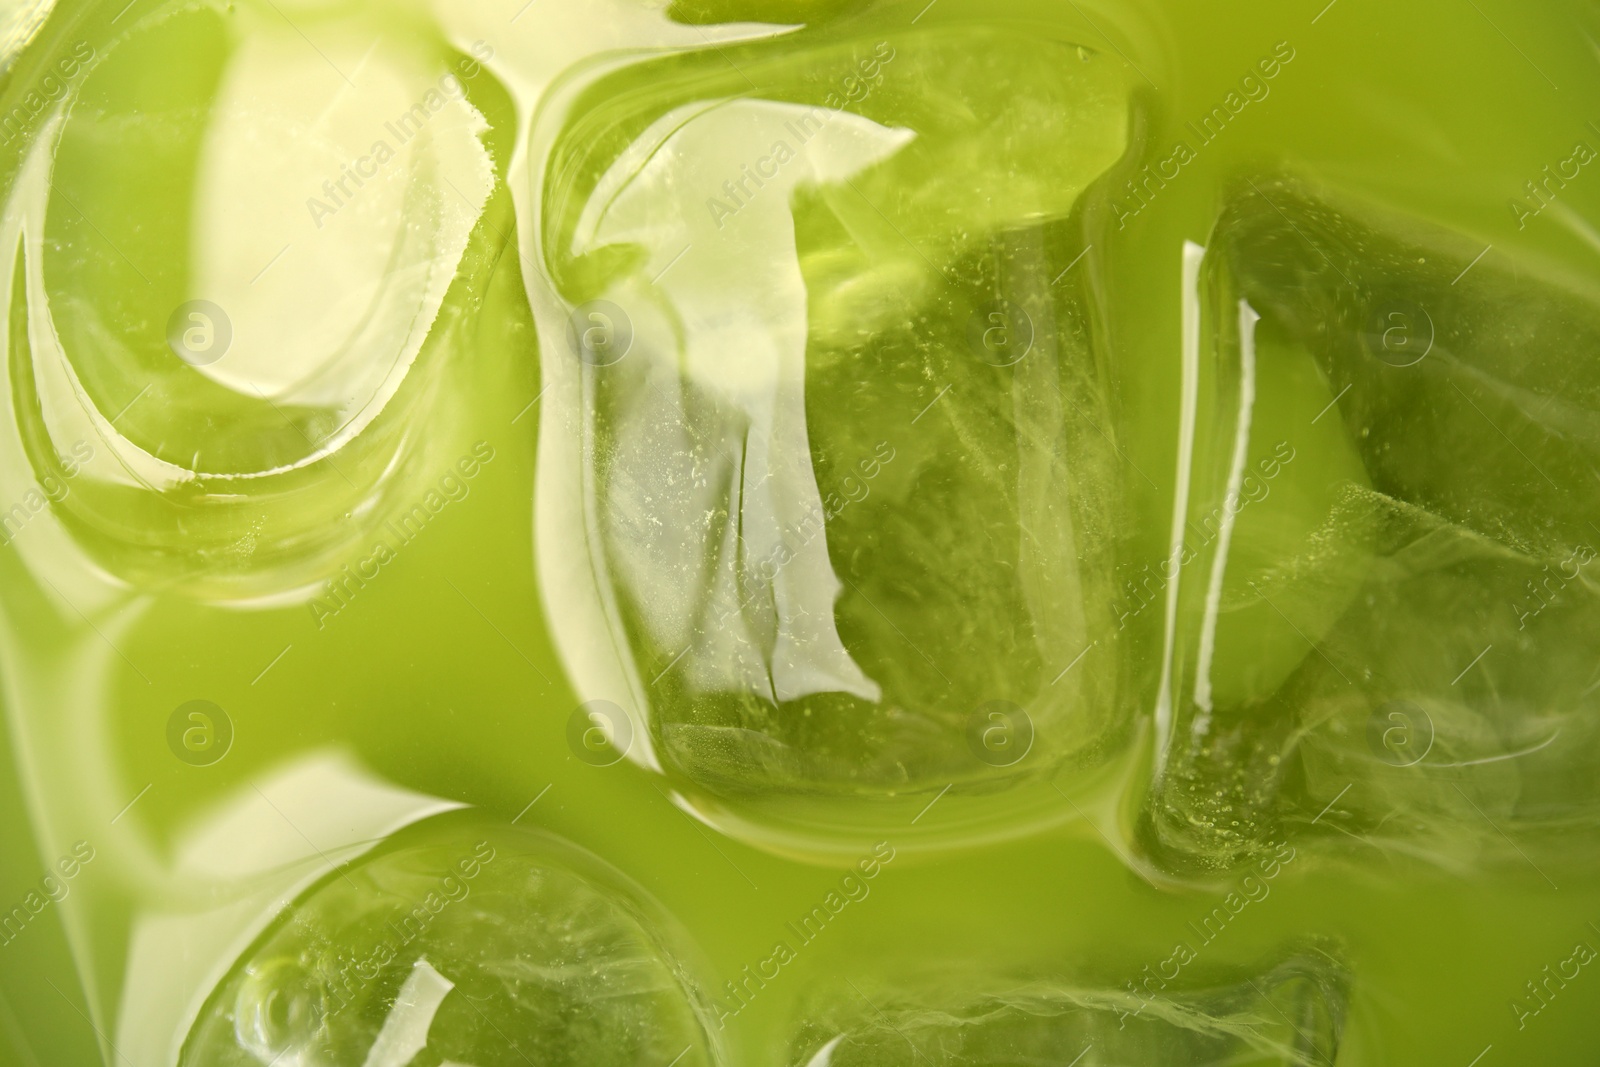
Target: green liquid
[[329, 532]]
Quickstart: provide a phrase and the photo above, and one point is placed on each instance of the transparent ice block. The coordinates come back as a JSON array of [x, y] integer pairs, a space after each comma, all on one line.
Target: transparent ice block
[[463, 944], [1445, 707], [829, 496]]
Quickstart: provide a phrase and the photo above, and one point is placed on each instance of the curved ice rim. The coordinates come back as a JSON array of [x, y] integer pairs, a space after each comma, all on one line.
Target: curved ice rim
[[30, 201], [573, 581]]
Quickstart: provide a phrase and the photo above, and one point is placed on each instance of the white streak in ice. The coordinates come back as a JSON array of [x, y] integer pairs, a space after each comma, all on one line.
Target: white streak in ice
[[405, 1031], [824, 1056], [1230, 511], [1193, 255]]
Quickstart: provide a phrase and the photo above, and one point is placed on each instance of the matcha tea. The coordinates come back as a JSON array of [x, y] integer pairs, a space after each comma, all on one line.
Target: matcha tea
[[799, 533]]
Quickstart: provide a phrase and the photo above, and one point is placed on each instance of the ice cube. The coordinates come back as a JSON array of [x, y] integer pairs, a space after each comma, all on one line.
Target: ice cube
[[853, 480], [1446, 707], [239, 279], [464, 944], [1292, 1016]]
